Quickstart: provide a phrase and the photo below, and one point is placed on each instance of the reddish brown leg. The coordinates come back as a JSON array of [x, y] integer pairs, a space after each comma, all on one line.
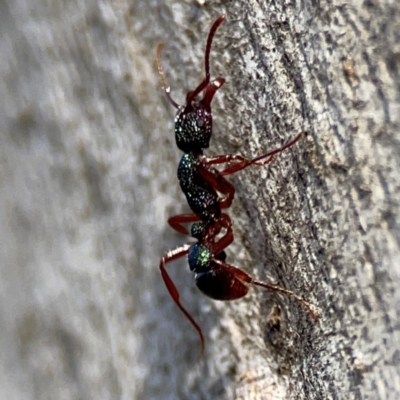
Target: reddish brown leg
[[276, 151], [173, 291], [243, 276], [227, 239], [242, 162], [176, 222]]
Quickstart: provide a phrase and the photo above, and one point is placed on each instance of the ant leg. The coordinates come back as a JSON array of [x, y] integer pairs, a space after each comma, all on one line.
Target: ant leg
[[176, 222], [173, 291], [243, 276], [276, 151], [218, 182], [227, 239], [243, 162]]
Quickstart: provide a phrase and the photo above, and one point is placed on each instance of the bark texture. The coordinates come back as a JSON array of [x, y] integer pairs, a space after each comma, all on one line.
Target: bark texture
[[88, 180]]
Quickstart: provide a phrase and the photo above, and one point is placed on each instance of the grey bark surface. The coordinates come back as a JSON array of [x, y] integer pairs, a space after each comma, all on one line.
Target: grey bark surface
[[88, 180]]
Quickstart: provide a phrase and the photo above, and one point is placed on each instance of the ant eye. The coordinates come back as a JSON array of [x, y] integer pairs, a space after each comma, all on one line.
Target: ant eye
[[200, 123]]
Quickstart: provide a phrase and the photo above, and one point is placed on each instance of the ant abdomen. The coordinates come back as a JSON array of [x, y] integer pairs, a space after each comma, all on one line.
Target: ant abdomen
[[215, 282], [219, 284]]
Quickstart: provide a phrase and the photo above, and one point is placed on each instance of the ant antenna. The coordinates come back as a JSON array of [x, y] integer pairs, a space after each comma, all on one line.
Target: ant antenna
[[164, 85], [243, 276], [191, 95], [211, 34]]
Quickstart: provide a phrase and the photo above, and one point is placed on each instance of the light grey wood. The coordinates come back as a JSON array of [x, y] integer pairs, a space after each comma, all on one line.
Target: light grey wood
[[88, 180]]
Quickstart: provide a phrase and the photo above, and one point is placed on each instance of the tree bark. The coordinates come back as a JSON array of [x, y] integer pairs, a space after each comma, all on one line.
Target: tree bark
[[88, 181]]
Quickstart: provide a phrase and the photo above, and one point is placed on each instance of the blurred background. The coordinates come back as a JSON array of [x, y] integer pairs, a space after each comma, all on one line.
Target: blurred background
[[88, 180]]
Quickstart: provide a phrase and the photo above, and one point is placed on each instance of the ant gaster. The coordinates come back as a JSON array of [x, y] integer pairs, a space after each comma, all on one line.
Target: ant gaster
[[200, 183], [213, 276]]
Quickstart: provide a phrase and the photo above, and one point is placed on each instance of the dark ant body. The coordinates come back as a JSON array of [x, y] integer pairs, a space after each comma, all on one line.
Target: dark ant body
[[213, 276], [193, 128], [201, 183]]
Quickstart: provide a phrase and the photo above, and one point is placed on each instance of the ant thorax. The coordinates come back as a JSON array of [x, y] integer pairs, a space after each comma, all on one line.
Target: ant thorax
[[200, 194]]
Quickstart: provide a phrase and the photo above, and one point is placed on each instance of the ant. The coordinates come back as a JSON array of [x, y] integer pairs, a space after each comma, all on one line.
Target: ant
[[200, 184]]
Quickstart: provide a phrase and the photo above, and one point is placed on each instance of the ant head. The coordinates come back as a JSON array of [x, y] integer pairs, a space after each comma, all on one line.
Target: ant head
[[193, 121]]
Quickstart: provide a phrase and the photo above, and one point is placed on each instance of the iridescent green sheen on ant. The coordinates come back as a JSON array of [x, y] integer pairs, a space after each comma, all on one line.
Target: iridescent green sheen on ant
[[197, 230], [208, 193], [187, 170], [199, 257]]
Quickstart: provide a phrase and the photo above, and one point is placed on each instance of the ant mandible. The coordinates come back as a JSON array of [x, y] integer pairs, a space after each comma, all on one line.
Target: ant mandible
[[200, 184]]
